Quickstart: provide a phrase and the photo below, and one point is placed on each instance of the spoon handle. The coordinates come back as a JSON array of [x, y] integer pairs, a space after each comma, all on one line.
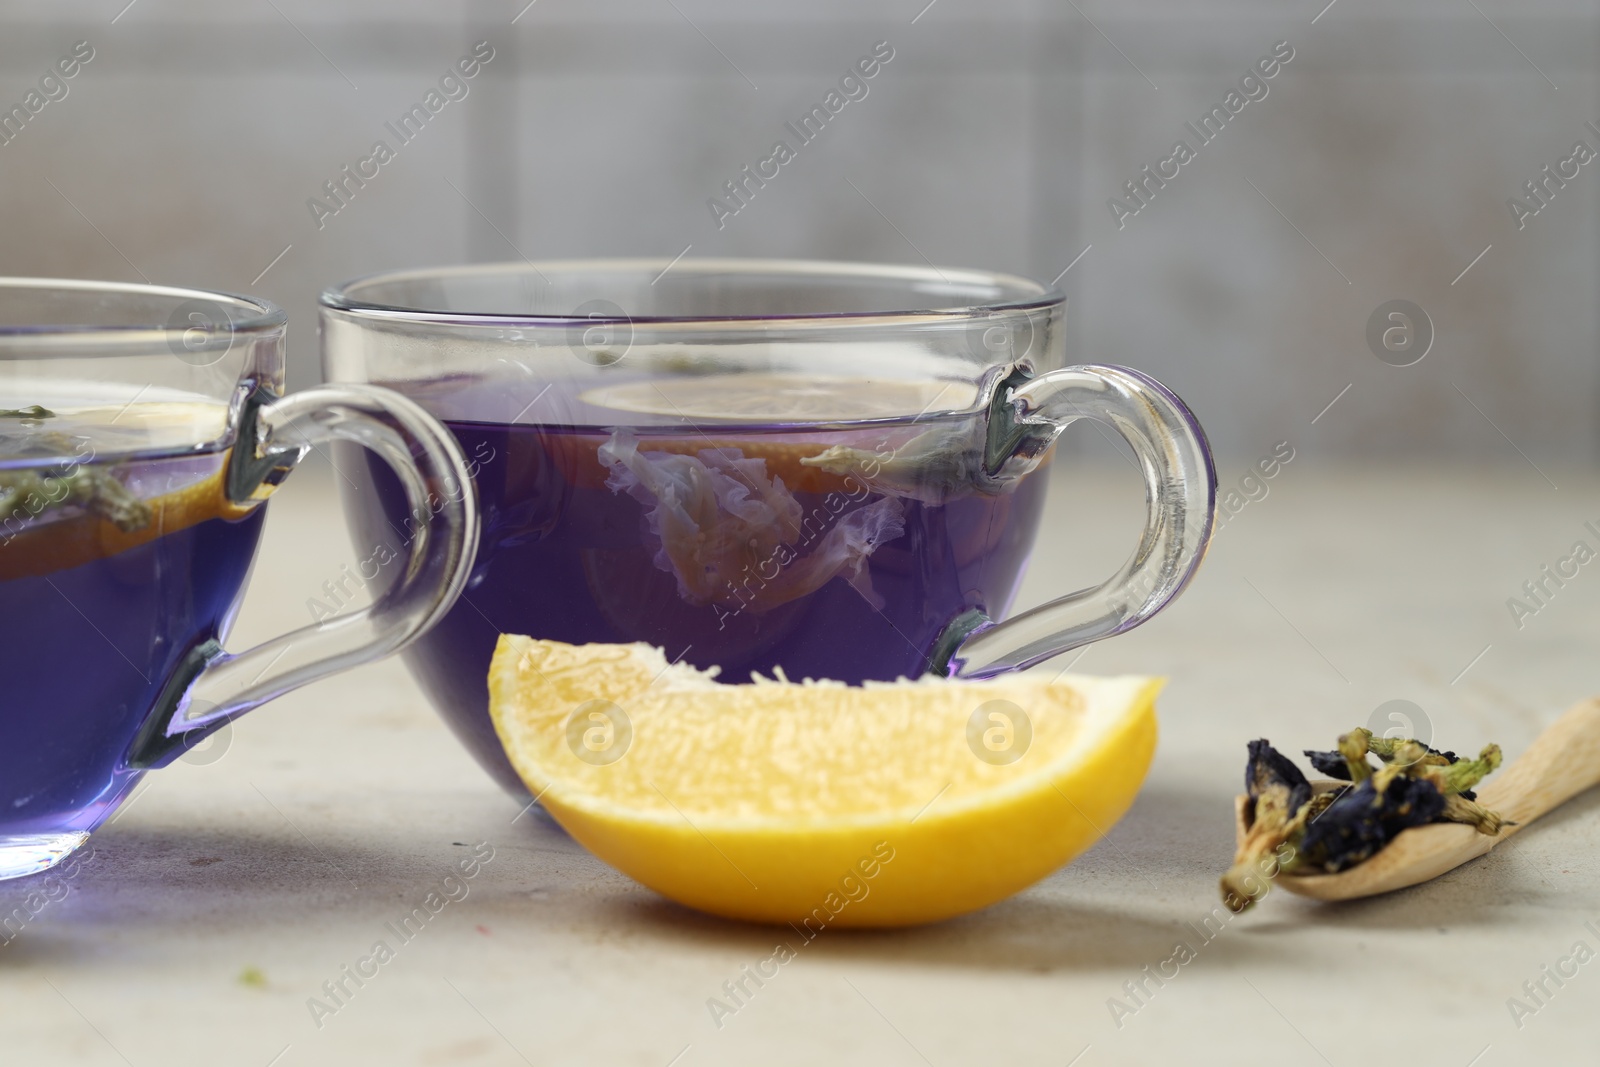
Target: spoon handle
[[1562, 762]]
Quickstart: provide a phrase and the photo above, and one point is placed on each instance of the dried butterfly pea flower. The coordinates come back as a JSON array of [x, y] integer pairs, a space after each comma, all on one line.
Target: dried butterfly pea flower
[[1278, 793], [1269, 773], [1334, 765], [1365, 818], [1347, 763], [1457, 778], [1291, 830], [1331, 764]]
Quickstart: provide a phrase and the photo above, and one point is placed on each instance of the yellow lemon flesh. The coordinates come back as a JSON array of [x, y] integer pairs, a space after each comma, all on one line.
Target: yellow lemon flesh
[[59, 544], [817, 803]]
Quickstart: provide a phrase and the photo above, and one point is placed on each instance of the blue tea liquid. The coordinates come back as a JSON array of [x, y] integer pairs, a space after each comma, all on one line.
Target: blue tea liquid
[[715, 543], [101, 596]]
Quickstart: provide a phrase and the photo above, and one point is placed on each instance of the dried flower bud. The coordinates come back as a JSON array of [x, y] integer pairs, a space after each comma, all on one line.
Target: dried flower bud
[[1459, 809], [1461, 775], [1270, 774], [1278, 792], [1386, 747], [1353, 746], [32, 412]]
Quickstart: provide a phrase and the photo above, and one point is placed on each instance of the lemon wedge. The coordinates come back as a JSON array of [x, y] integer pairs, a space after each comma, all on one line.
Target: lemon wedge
[[58, 544], [817, 803]]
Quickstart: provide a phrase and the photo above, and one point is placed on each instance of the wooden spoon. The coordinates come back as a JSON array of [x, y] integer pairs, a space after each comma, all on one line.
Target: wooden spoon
[[1562, 762]]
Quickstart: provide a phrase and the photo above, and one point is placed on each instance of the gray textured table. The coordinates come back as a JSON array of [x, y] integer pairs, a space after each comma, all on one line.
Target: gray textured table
[[217, 905]]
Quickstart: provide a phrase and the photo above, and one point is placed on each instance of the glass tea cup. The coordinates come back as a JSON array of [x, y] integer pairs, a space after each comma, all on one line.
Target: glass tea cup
[[141, 431], [832, 470]]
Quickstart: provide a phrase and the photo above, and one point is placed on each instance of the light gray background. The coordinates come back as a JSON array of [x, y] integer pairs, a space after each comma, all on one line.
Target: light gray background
[[188, 147], [993, 139]]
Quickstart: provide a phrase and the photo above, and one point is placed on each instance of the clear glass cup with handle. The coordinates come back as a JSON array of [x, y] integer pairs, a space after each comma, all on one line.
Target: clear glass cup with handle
[[832, 470], [142, 429]]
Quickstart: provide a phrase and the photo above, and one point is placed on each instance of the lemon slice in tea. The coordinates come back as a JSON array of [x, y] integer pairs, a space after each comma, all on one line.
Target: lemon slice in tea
[[818, 803], [884, 414], [785, 398], [72, 440]]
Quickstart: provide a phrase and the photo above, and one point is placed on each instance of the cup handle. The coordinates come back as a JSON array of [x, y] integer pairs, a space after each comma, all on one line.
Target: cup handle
[[212, 685], [1180, 493]]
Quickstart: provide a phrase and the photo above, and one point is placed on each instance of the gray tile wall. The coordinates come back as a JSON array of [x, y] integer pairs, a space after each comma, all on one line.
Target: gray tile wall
[[1377, 167]]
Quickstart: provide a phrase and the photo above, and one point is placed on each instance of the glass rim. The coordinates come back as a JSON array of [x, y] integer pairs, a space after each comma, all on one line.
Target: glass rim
[[1025, 296], [264, 316]]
